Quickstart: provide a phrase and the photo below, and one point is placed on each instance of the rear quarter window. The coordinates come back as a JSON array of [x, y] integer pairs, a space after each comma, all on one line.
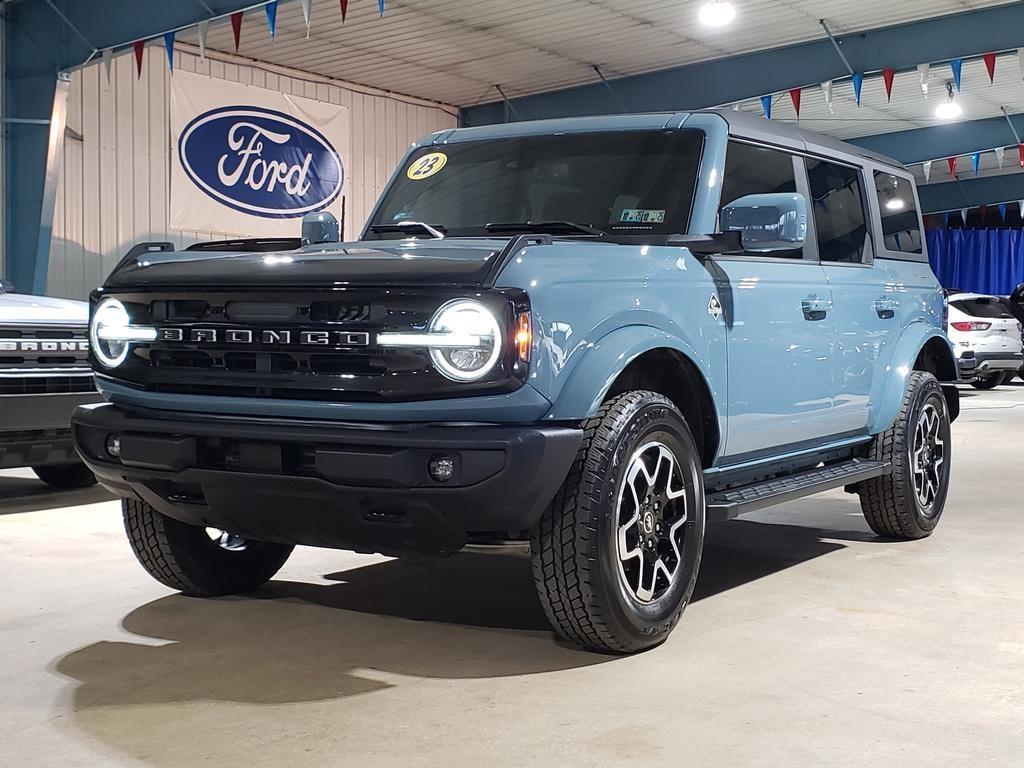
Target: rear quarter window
[[901, 226]]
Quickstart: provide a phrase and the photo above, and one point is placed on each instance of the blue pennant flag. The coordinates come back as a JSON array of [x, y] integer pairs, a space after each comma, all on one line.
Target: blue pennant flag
[[271, 9], [380, 7], [858, 83], [945, 220], [766, 105], [169, 46], [976, 161], [957, 65], [1002, 211]]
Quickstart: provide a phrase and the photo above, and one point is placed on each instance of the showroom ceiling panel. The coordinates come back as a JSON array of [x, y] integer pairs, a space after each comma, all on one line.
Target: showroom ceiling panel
[[453, 51]]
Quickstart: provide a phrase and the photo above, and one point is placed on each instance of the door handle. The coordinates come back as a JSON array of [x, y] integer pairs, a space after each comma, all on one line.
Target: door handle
[[886, 308], [815, 308]]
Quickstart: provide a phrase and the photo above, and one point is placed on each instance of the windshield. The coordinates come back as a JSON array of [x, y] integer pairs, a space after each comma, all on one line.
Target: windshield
[[621, 183]]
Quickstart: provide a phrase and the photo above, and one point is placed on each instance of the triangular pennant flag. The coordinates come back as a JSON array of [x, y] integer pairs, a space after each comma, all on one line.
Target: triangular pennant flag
[[858, 83], [1002, 211], [945, 220], [794, 94], [271, 9], [140, 49], [976, 162], [1020, 61], [108, 58], [926, 166], [203, 27], [826, 88], [1020, 154], [888, 75], [380, 7], [1000, 154], [766, 105], [169, 47], [236, 27], [344, 10], [952, 166], [963, 215], [957, 65], [983, 210], [923, 70], [990, 65], [307, 10], [735, 106], [1020, 208]]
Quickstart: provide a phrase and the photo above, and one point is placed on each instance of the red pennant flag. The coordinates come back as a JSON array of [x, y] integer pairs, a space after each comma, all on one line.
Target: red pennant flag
[[794, 94], [344, 10], [236, 27], [952, 165], [888, 75], [140, 48], [990, 65], [1020, 151]]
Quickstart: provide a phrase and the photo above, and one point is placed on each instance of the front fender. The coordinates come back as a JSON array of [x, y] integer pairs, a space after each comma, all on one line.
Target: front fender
[[890, 387], [589, 381]]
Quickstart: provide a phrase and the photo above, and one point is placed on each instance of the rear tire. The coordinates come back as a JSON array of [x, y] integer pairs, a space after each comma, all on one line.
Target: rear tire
[[991, 381], [908, 503], [616, 554], [65, 476], [186, 558]]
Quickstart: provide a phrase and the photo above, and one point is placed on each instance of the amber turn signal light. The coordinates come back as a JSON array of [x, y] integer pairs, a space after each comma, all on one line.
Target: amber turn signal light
[[524, 337]]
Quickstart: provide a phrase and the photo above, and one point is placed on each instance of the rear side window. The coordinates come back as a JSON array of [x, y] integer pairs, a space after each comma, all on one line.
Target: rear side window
[[751, 170], [838, 208], [901, 227], [982, 307]]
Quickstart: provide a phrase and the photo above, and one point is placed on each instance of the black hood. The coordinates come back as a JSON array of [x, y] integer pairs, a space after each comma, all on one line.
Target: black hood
[[380, 262]]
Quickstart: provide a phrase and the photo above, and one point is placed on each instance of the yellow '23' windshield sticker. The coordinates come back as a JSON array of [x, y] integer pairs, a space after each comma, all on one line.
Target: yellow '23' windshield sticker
[[426, 166]]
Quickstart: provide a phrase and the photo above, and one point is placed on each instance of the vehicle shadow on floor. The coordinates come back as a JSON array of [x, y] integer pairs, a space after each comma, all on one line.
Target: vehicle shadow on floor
[[469, 617], [24, 494]]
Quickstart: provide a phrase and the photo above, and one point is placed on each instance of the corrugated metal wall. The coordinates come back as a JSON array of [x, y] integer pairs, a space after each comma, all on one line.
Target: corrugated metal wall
[[115, 184]]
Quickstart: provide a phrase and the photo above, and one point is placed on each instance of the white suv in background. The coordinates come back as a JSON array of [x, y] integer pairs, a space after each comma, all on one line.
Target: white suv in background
[[982, 325]]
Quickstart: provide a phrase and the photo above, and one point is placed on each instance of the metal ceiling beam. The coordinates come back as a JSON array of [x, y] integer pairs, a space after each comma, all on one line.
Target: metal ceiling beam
[[946, 140], [750, 75], [968, 193]]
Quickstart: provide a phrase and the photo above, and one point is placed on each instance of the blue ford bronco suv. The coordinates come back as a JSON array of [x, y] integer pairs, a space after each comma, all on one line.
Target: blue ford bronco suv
[[589, 334]]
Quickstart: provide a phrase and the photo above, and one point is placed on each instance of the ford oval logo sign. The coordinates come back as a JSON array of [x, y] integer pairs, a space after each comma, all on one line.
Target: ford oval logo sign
[[261, 162]]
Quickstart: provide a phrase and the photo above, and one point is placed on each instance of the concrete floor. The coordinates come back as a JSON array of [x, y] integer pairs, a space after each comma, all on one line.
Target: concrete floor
[[810, 643]]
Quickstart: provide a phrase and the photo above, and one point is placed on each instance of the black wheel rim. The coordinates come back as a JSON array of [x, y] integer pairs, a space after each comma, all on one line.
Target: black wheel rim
[[651, 517], [928, 458]]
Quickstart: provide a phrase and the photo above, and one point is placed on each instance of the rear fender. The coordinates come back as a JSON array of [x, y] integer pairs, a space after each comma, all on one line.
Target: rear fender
[[889, 388]]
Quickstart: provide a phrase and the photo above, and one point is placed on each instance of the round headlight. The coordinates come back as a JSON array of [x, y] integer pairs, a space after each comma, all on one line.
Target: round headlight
[[107, 332], [472, 323]]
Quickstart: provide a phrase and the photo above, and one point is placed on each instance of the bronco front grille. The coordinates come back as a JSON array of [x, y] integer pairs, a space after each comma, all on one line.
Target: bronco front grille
[[47, 360], [296, 345]]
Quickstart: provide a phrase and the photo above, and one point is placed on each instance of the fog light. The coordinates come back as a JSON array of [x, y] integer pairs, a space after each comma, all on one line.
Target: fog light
[[114, 446], [441, 469]]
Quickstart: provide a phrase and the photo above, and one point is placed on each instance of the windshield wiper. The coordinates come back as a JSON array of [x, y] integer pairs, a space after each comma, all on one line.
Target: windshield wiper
[[548, 227], [436, 230]]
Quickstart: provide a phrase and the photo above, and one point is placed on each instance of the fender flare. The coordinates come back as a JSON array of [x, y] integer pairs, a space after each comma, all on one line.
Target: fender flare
[[589, 381], [886, 405]]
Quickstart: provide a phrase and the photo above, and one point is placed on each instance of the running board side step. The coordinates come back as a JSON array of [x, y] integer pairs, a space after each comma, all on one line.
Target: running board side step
[[725, 505]]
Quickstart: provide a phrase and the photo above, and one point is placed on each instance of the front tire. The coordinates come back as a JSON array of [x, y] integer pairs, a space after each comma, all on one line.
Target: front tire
[[617, 552], [908, 502], [191, 560], [65, 476]]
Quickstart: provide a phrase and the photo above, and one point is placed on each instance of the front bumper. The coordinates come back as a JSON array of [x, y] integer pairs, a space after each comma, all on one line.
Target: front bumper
[[363, 487], [35, 429]]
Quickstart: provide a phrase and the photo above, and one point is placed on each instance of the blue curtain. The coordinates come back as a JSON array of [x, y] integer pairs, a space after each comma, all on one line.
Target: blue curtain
[[978, 260]]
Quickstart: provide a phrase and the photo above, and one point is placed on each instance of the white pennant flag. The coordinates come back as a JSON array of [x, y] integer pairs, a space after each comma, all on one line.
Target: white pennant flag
[[1020, 61], [735, 106], [307, 7], [826, 88], [963, 214], [1000, 153], [1020, 204], [927, 168], [923, 71], [203, 27], [108, 58]]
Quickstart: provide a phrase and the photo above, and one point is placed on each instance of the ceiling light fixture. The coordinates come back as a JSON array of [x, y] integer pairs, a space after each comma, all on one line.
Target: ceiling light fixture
[[949, 109], [896, 204], [717, 13]]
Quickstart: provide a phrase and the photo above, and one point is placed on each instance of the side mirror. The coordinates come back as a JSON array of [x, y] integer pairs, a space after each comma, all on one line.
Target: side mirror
[[320, 227], [776, 221], [1017, 297]]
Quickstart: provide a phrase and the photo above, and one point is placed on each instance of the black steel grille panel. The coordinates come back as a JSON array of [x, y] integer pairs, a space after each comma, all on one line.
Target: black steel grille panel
[[50, 348], [263, 345], [45, 385]]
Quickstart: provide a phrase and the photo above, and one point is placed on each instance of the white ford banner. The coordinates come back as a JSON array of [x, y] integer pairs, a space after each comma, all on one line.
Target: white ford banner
[[250, 161]]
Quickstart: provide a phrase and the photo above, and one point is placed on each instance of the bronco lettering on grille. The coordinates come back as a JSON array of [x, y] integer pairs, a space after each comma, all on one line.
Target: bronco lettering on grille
[[266, 337]]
